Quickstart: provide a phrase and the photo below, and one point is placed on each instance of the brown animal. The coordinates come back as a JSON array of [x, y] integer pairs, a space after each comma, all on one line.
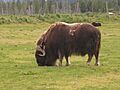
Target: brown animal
[[64, 39]]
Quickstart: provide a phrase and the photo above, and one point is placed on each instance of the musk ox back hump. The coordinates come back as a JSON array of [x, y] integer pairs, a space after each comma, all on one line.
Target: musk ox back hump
[[86, 38]]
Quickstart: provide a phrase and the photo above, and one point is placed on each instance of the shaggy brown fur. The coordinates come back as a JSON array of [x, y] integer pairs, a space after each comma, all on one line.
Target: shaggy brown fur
[[64, 39]]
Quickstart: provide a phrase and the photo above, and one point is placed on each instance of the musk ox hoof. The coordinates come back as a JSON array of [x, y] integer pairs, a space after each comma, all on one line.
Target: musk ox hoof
[[56, 64], [39, 65], [60, 64], [88, 63], [97, 64], [67, 64]]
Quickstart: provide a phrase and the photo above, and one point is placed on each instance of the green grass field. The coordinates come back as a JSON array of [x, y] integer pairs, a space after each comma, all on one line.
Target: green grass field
[[19, 71]]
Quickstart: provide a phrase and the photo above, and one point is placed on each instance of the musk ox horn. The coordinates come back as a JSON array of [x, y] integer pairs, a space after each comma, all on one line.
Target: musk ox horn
[[38, 48]]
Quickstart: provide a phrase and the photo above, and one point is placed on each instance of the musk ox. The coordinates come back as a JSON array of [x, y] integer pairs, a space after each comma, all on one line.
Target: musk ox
[[62, 39]]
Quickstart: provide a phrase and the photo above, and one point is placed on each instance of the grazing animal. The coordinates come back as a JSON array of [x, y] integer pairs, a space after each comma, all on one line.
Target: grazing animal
[[64, 39]]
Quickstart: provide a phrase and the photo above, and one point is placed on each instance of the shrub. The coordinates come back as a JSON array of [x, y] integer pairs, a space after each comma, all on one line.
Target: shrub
[[51, 18]]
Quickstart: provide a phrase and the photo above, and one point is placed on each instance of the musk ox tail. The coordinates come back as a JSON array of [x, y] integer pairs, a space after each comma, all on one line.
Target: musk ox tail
[[96, 24], [98, 45], [99, 41]]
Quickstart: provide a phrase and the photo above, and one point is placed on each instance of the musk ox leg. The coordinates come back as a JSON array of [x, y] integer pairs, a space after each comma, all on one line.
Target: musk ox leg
[[67, 60], [97, 63], [60, 58], [60, 63], [89, 59]]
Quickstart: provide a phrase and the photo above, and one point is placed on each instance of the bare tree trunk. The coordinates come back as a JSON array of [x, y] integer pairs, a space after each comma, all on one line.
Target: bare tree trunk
[[69, 8], [43, 7], [107, 6], [2, 12], [77, 7], [57, 8], [92, 6], [1, 7]]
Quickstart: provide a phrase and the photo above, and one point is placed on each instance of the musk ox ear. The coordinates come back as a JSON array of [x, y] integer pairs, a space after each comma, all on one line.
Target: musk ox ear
[[42, 50]]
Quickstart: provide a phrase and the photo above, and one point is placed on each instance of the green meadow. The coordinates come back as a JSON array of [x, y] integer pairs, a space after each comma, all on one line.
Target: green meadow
[[19, 71]]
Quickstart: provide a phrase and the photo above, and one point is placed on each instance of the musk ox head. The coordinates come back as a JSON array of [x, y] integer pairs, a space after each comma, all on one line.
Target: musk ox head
[[40, 53]]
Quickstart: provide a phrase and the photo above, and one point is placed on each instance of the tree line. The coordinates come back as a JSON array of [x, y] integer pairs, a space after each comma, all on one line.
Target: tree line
[[30, 7]]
